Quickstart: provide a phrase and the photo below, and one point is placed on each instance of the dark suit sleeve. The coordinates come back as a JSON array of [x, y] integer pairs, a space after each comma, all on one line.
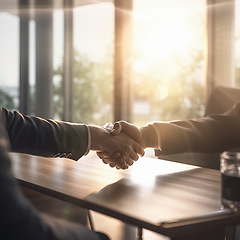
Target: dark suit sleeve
[[214, 133], [45, 137], [20, 221]]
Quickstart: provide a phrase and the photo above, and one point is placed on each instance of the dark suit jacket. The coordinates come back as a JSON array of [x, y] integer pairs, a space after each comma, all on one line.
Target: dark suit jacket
[[18, 219], [43, 137], [214, 133]]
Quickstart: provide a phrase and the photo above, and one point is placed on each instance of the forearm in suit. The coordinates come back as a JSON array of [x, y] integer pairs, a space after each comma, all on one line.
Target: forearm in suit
[[44, 137], [214, 133]]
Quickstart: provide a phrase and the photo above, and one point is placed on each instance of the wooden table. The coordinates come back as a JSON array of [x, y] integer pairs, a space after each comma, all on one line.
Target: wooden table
[[173, 199]]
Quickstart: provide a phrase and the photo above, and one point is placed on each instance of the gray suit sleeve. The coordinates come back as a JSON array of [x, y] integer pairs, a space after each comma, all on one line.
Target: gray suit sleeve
[[45, 137]]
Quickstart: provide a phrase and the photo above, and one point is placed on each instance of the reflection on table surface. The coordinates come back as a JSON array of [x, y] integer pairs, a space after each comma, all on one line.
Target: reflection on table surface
[[150, 192]]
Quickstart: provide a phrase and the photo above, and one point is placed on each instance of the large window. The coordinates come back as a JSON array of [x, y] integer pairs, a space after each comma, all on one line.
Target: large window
[[92, 86], [169, 64], [93, 63], [168, 74], [58, 45], [44, 60], [9, 60]]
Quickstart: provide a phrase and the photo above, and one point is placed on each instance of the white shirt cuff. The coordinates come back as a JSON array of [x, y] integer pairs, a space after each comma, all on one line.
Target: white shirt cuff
[[89, 141], [159, 143]]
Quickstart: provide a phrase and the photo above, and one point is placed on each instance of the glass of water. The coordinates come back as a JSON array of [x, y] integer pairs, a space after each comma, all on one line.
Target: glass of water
[[230, 172]]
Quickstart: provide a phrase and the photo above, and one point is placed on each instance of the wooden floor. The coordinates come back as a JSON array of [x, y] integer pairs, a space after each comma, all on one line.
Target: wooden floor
[[115, 229]]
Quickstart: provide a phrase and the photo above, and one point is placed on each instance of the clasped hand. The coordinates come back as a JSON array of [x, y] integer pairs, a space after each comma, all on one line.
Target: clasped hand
[[118, 146]]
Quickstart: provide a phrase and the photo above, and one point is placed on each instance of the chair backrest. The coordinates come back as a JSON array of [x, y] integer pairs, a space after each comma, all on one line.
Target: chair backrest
[[222, 99]]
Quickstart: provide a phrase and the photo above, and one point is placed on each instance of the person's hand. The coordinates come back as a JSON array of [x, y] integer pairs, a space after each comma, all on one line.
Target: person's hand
[[132, 131], [146, 136], [123, 148], [117, 160]]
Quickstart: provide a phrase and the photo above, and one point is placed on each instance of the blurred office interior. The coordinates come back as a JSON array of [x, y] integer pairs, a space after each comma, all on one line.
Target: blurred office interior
[[99, 61]]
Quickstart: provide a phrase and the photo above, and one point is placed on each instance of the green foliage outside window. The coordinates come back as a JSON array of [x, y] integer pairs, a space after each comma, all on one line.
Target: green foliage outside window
[[6, 100], [92, 91], [175, 90]]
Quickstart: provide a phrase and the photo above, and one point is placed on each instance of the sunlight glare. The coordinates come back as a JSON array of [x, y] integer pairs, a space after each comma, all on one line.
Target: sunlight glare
[[141, 66], [143, 173], [164, 32], [162, 91], [163, 44]]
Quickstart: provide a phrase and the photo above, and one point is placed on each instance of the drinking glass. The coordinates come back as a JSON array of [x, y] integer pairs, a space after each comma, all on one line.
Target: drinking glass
[[230, 172]]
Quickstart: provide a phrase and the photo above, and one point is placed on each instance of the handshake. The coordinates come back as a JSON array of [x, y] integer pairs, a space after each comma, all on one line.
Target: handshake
[[119, 145]]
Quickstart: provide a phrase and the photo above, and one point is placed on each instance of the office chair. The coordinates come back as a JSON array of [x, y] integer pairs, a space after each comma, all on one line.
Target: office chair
[[221, 99]]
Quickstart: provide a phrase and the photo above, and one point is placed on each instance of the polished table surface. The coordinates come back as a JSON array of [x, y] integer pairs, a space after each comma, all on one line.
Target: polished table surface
[[170, 198]]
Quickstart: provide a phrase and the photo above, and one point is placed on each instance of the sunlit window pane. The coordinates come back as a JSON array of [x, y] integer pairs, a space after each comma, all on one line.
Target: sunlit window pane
[[32, 66], [9, 60], [93, 68], [58, 46], [169, 65]]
